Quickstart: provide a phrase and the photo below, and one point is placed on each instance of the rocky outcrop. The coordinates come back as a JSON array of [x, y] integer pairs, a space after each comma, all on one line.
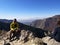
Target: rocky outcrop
[[26, 38], [50, 41], [47, 24], [32, 41]]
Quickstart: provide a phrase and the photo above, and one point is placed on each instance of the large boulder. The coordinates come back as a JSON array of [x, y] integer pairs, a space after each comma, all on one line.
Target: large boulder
[[50, 41]]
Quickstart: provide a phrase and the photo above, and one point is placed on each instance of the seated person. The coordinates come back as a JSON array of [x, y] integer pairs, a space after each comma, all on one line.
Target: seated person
[[14, 29]]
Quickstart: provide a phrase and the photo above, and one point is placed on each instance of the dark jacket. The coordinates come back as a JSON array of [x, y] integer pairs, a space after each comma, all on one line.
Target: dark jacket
[[56, 34]]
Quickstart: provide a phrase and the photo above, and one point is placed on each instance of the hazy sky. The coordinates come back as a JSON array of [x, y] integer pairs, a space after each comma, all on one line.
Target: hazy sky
[[28, 9]]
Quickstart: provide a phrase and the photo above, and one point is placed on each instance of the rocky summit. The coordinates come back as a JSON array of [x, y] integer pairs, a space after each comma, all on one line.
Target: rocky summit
[[26, 38]]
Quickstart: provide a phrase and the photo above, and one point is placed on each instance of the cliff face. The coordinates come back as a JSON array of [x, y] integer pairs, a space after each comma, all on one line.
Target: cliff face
[[47, 24]]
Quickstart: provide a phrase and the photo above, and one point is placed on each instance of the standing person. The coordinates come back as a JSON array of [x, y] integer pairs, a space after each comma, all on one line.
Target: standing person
[[14, 27], [56, 33]]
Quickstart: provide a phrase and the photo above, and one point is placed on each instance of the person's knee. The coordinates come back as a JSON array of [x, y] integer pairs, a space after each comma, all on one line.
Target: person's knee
[[11, 31]]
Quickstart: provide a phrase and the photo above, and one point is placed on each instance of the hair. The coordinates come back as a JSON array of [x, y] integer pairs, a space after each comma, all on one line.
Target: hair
[[58, 23], [14, 20]]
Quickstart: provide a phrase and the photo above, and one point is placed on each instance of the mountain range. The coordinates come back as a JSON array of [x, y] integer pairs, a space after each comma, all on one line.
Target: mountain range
[[37, 32], [47, 23]]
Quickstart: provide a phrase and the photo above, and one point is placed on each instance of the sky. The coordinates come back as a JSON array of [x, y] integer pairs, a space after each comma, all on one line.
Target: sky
[[28, 9]]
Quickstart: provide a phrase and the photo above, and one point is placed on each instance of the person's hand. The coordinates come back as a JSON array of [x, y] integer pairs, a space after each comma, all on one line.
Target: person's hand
[[16, 30]]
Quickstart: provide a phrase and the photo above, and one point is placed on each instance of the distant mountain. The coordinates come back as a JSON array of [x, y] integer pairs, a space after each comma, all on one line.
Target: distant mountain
[[4, 26], [26, 22], [5, 20], [47, 23]]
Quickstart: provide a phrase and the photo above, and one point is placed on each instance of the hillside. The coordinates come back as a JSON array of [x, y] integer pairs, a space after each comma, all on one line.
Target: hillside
[[47, 23], [4, 26], [37, 31], [5, 20], [34, 35]]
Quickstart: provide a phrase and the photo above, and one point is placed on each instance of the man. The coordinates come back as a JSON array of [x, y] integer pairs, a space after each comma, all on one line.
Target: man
[[14, 27]]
